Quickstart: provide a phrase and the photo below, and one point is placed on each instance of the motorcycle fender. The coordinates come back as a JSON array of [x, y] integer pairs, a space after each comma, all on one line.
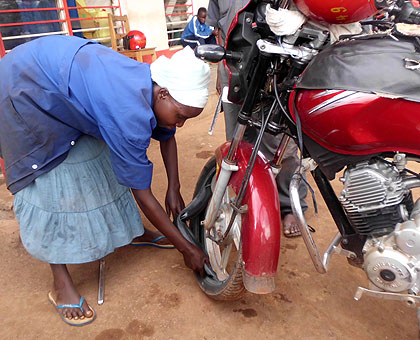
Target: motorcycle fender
[[261, 223]]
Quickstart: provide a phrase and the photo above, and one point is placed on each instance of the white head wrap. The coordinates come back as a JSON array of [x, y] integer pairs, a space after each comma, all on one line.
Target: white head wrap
[[185, 76]]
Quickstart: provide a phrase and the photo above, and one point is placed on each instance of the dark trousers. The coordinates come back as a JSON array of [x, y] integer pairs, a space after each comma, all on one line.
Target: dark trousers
[[194, 41]]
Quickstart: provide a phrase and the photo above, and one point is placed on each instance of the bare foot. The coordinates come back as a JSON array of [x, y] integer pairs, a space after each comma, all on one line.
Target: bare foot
[[65, 293], [150, 236], [290, 226]]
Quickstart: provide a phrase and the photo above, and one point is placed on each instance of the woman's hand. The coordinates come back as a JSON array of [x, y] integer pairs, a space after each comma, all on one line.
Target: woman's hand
[[194, 258], [173, 202]]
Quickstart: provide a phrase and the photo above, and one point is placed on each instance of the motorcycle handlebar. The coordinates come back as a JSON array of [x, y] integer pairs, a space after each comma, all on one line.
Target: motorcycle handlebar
[[216, 53]]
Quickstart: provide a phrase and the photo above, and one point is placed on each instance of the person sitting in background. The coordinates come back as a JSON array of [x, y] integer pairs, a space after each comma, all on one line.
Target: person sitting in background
[[197, 32]]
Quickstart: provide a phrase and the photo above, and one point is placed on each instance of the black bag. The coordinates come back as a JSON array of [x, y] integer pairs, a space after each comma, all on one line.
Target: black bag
[[375, 65]]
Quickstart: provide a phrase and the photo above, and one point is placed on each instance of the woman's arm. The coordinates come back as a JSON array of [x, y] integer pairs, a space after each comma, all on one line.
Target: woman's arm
[[173, 202], [194, 258]]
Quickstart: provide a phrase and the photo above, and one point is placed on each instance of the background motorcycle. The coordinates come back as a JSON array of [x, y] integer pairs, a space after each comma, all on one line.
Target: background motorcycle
[[343, 116]]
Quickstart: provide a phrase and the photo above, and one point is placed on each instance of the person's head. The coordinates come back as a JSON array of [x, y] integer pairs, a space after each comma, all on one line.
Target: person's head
[[202, 14], [169, 113], [180, 88]]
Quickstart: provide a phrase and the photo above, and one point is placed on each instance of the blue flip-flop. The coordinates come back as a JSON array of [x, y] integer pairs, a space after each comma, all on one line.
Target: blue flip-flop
[[73, 322], [153, 243]]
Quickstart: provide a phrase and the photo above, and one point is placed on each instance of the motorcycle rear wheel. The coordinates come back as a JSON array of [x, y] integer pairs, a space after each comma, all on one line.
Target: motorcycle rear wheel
[[226, 260]]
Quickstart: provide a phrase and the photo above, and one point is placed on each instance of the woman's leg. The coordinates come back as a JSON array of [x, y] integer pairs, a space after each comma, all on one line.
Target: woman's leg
[[150, 236], [65, 292]]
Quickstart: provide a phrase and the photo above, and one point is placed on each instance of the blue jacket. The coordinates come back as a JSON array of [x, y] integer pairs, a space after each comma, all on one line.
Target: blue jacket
[[54, 89], [195, 29]]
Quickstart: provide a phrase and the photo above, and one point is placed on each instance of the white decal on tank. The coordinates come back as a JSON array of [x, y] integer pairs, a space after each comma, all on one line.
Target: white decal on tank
[[332, 100]]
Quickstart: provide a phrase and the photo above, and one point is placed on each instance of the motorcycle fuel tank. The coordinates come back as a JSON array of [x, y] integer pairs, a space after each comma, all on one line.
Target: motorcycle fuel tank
[[337, 11], [358, 123]]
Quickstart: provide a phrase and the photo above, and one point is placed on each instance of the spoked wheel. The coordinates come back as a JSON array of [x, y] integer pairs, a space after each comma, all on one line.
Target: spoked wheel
[[225, 259]]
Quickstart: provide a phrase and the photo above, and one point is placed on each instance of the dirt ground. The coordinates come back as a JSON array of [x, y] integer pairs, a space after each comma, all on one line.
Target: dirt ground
[[150, 294]]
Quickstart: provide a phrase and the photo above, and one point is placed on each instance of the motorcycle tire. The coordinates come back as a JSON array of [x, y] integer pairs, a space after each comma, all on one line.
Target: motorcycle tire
[[230, 286]]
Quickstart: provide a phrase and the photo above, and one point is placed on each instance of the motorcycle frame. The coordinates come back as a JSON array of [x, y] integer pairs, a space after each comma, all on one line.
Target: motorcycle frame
[[260, 253], [260, 234], [260, 258]]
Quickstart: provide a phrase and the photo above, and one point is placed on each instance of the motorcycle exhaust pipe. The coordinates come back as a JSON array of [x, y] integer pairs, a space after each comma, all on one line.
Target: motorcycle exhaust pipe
[[321, 264]]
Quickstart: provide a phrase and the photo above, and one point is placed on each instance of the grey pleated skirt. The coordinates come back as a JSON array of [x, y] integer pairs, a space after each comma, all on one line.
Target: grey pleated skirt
[[77, 212]]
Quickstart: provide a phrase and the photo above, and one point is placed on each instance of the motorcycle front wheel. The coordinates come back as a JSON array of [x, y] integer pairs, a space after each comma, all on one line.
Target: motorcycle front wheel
[[225, 259]]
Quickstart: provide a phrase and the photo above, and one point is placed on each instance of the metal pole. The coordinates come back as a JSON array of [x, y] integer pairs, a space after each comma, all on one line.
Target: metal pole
[[119, 5], [67, 17], [101, 284], [2, 49]]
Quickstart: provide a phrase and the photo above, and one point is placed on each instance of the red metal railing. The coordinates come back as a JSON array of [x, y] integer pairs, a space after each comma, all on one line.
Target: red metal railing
[[175, 28], [30, 9], [67, 20], [31, 23], [67, 16], [175, 14]]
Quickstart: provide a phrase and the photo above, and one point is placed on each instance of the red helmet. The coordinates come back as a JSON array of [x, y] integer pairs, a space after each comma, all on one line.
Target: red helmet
[[337, 11], [134, 40]]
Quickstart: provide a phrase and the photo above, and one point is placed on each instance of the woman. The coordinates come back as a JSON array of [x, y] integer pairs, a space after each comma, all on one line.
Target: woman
[[76, 121]]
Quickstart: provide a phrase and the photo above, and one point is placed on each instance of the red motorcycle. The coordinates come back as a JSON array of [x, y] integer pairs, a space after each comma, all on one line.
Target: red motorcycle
[[352, 106]]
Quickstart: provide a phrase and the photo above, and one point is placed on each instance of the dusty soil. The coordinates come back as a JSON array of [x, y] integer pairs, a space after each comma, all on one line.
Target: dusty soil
[[150, 294]]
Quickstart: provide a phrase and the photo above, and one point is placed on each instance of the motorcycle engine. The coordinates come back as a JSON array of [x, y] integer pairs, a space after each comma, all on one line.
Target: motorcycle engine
[[392, 262], [374, 197], [378, 206]]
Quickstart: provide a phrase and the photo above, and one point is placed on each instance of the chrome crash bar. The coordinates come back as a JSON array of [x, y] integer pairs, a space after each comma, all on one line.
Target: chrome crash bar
[[321, 264]]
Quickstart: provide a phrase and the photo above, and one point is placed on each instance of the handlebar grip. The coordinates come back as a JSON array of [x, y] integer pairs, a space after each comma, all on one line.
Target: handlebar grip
[[410, 12], [405, 11]]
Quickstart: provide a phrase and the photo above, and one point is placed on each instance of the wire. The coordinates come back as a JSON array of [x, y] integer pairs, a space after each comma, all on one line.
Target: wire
[[278, 99]]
